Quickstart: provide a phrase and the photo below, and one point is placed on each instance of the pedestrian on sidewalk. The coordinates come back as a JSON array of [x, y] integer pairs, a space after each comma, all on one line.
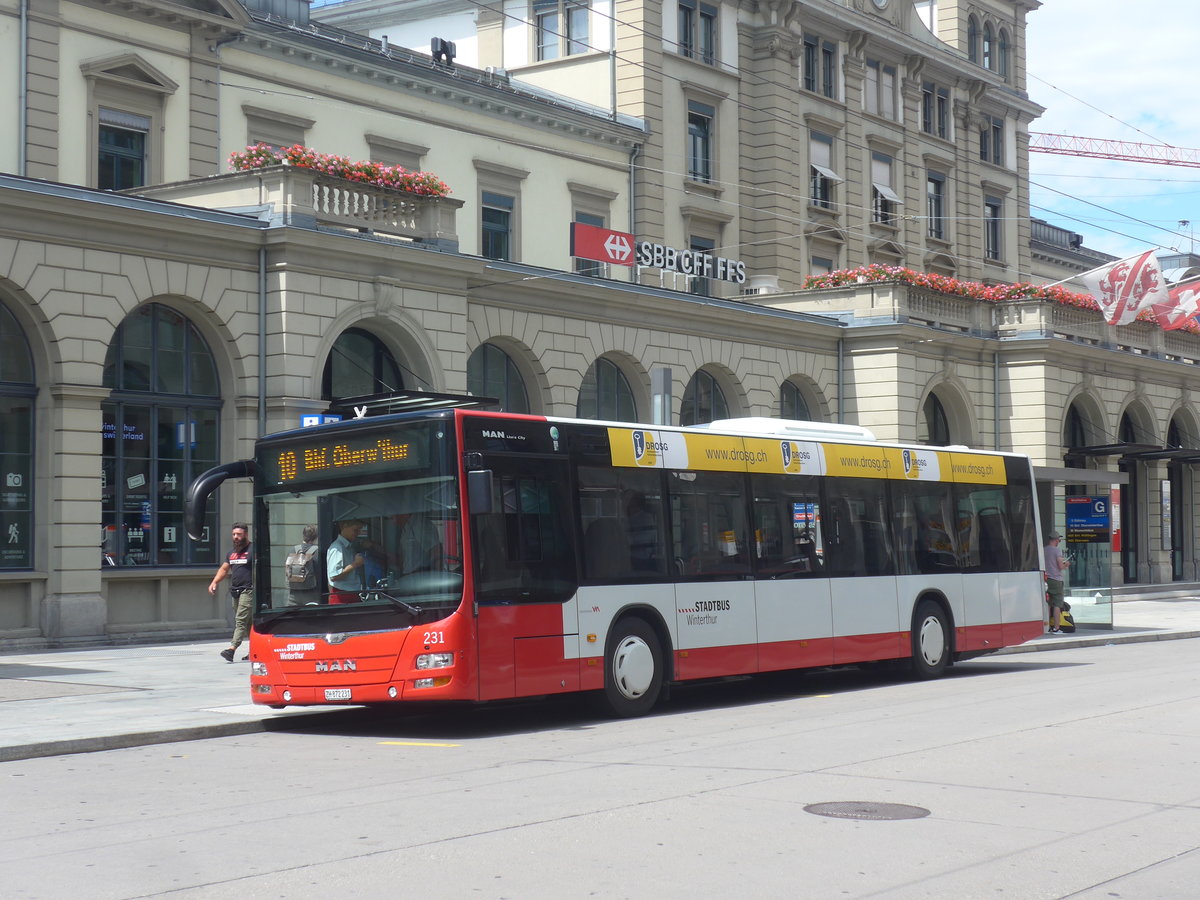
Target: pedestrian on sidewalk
[[239, 568], [1056, 567]]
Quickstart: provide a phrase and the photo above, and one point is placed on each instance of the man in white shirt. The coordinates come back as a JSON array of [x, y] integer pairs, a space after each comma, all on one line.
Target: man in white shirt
[[343, 564]]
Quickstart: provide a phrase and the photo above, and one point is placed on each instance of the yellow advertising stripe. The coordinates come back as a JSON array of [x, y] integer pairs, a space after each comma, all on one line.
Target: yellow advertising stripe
[[976, 468], [733, 453]]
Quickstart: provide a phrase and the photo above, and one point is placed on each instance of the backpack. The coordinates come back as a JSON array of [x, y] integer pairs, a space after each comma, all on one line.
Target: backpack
[[300, 568], [1066, 622]]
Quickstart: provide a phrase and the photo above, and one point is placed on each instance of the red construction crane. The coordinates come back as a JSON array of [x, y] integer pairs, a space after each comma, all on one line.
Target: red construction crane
[[1098, 148]]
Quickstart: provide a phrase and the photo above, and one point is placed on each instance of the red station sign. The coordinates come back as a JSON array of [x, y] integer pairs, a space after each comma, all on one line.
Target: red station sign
[[602, 244]]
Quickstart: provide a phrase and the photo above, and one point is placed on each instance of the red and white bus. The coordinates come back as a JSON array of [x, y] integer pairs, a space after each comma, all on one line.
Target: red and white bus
[[560, 555]]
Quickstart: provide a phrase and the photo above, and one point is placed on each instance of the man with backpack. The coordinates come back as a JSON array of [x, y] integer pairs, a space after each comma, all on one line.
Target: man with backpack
[[301, 570]]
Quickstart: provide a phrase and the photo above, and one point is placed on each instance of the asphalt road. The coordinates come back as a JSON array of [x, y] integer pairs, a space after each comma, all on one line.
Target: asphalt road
[[1037, 775]]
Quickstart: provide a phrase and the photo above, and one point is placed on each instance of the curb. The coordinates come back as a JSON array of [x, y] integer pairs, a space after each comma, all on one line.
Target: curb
[[1037, 645], [147, 738]]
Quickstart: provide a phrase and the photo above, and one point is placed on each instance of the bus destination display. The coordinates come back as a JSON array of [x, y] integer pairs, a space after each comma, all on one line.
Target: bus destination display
[[304, 462]]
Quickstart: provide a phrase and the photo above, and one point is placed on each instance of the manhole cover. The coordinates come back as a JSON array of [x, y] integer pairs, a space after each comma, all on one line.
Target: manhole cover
[[860, 810]]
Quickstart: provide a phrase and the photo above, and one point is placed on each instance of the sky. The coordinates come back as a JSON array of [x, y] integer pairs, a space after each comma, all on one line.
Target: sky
[[1117, 70]]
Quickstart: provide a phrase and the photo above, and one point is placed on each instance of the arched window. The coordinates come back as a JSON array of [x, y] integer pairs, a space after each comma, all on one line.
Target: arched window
[[492, 373], [936, 425], [973, 39], [605, 394], [792, 404], [17, 391], [359, 365], [1074, 430], [160, 430], [1002, 53], [703, 401], [989, 47]]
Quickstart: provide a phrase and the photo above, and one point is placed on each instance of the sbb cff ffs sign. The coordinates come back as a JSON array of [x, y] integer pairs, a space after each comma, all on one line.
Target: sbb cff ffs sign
[[620, 248], [601, 244]]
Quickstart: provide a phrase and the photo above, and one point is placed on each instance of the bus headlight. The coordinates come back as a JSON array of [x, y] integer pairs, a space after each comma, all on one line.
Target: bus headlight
[[435, 660], [258, 668]]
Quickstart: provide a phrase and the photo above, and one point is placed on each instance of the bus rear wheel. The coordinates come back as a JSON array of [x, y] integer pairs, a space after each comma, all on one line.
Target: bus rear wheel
[[633, 669], [930, 640]]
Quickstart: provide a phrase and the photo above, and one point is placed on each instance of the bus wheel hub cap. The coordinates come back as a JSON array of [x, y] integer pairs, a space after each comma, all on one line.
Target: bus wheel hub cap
[[633, 667]]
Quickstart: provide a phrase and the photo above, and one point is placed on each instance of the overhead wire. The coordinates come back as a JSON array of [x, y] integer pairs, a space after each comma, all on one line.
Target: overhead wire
[[791, 120], [796, 121]]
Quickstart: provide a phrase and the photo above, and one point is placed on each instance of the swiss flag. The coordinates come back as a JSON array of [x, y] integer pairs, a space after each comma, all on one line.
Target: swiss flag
[[1182, 305], [1126, 287]]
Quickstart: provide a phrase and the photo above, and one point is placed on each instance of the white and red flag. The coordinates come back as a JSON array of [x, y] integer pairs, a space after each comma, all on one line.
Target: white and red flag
[[1181, 308], [1126, 287]]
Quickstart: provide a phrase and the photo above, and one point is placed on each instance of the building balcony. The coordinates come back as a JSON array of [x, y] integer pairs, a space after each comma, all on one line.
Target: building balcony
[[891, 303], [304, 198]]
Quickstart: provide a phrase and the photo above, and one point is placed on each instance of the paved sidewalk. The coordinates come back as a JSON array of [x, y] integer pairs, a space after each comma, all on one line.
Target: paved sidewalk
[[79, 701]]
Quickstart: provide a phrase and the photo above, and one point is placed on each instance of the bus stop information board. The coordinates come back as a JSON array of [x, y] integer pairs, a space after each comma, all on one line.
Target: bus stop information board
[[1088, 520]]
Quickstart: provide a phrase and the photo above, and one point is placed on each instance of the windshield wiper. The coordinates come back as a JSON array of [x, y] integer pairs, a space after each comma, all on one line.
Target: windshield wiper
[[395, 601]]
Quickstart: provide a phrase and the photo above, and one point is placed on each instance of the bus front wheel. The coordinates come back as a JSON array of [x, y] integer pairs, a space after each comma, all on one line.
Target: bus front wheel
[[633, 669], [930, 640]]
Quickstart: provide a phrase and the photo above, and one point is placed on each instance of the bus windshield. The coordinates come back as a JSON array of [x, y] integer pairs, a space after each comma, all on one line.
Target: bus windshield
[[387, 536]]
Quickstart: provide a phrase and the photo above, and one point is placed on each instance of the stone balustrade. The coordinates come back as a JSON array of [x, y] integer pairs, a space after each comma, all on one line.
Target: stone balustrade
[[305, 198], [1011, 320]]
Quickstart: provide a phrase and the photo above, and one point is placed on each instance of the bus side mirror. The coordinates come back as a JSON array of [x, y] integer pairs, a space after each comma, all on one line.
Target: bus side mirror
[[479, 491]]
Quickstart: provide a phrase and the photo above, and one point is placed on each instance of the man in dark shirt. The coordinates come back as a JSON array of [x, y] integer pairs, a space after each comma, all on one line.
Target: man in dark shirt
[[238, 567]]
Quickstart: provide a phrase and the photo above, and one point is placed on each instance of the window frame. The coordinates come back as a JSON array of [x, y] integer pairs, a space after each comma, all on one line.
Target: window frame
[[18, 387], [496, 225], [697, 31], [482, 366], [880, 90], [127, 84], [702, 380], [200, 411], [935, 110], [701, 128], [554, 26], [612, 394], [823, 178], [993, 228], [991, 140], [884, 198], [818, 72], [935, 205], [381, 359]]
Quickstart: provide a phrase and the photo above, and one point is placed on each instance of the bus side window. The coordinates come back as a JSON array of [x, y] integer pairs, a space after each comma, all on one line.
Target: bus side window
[[787, 526], [621, 522], [524, 548], [860, 536], [708, 515]]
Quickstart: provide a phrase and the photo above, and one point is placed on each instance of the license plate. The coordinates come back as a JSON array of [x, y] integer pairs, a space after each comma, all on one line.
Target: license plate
[[337, 694]]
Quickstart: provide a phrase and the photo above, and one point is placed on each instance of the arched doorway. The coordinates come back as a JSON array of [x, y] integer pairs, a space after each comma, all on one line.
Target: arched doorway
[[161, 428], [605, 394], [18, 388], [492, 373], [359, 365], [703, 400]]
